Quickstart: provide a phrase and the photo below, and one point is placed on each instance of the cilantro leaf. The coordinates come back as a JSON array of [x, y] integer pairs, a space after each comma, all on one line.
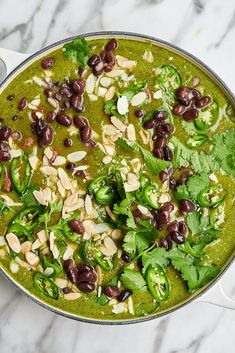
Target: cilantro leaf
[[196, 184], [224, 150], [133, 89], [102, 299], [135, 241], [28, 198], [193, 222], [156, 256], [154, 165], [123, 208], [195, 275], [182, 193], [125, 145], [133, 280], [78, 50], [110, 108]]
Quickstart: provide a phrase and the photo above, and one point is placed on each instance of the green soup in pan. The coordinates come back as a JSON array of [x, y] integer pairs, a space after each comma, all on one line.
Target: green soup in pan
[[117, 165]]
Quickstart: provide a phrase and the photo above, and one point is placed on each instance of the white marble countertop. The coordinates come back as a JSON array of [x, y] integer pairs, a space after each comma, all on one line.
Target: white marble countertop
[[205, 28]]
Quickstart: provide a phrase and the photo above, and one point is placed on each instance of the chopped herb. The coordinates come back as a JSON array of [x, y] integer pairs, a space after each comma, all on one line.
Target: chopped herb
[[110, 108], [156, 256], [102, 299], [123, 208], [154, 165], [78, 50], [133, 280], [193, 186], [135, 241], [28, 198], [193, 222]]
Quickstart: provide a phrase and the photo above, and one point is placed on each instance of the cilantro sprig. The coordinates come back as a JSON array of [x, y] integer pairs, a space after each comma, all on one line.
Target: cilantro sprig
[[78, 50]]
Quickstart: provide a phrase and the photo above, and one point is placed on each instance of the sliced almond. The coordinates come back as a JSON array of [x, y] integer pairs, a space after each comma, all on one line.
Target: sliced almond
[[132, 178], [65, 181], [42, 236], [92, 97], [53, 102], [36, 245], [157, 94], [110, 93], [118, 124], [148, 56], [124, 63], [101, 92], [89, 227], [109, 130], [72, 296], [15, 153], [34, 162], [71, 200], [116, 234], [90, 84], [52, 240], [32, 258], [131, 132], [26, 246], [59, 160], [110, 149], [138, 99], [48, 170], [14, 267], [88, 204], [76, 156], [68, 253], [115, 73], [107, 159], [61, 282], [109, 243], [122, 105], [106, 82], [40, 82]]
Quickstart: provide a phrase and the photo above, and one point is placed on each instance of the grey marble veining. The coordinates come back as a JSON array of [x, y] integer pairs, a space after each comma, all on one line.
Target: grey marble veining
[[205, 28]]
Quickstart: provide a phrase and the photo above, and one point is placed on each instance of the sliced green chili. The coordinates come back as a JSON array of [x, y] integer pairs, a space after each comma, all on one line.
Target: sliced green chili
[[169, 80], [21, 173], [2, 175], [150, 196], [157, 282], [25, 221], [217, 216], [211, 196], [54, 265], [106, 195], [45, 285], [196, 141], [106, 264], [207, 116], [97, 183]]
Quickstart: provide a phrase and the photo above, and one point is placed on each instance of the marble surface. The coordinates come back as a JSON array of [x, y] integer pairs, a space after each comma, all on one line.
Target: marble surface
[[205, 28]]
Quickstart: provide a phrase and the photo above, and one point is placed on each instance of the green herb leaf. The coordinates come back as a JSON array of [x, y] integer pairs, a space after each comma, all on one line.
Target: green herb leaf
[[102, 299], [135, 241], [182, 193], [193, 222], [125, 145], [196, 184], [123, 208], [110, 108], [133, 89], [78, 50], [154, 165], [28, 198], [155, 257], [133, 280], [224, 150]]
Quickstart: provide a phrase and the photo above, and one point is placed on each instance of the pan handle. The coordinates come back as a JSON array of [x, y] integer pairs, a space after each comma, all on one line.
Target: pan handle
[[9, 60], [216, 295]]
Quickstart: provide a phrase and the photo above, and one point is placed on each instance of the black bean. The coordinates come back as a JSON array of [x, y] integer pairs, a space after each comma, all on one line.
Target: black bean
[[80, 174], [177, 237], [86, 287], [68, 142], [67, 290], [172, 183], [163, 243], [196, 94], [182, 228], [77, 226], [202, 102], [126, 258], [46, 136], [98, 69], [137, 215], [149, 124], [140, 113], [23, 103], [162, 130], [77, 102], [51, 116], [168, 154], [4, 146], [78, 86], [71, 270], [158, 153], [173, 227], [64, 119], [90, 143], [10, 97], [66, 105], [184, 177], [108, 67], [109, 58], [47, 63], [83, 267], [184, 95], [190, 114], [186, 206], [14, 118], [70, 166], [87, 276], [124, 295], [169, 242], [58, 96], [94, 60], [179, 109], [111, 292], [5, 133], [48, 92], [111, 45], [65, 91], [80, 122], [86, 134], [4, 156], [160, 142], [163, 176], [160, 115], [163, 217], [169, 207]]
